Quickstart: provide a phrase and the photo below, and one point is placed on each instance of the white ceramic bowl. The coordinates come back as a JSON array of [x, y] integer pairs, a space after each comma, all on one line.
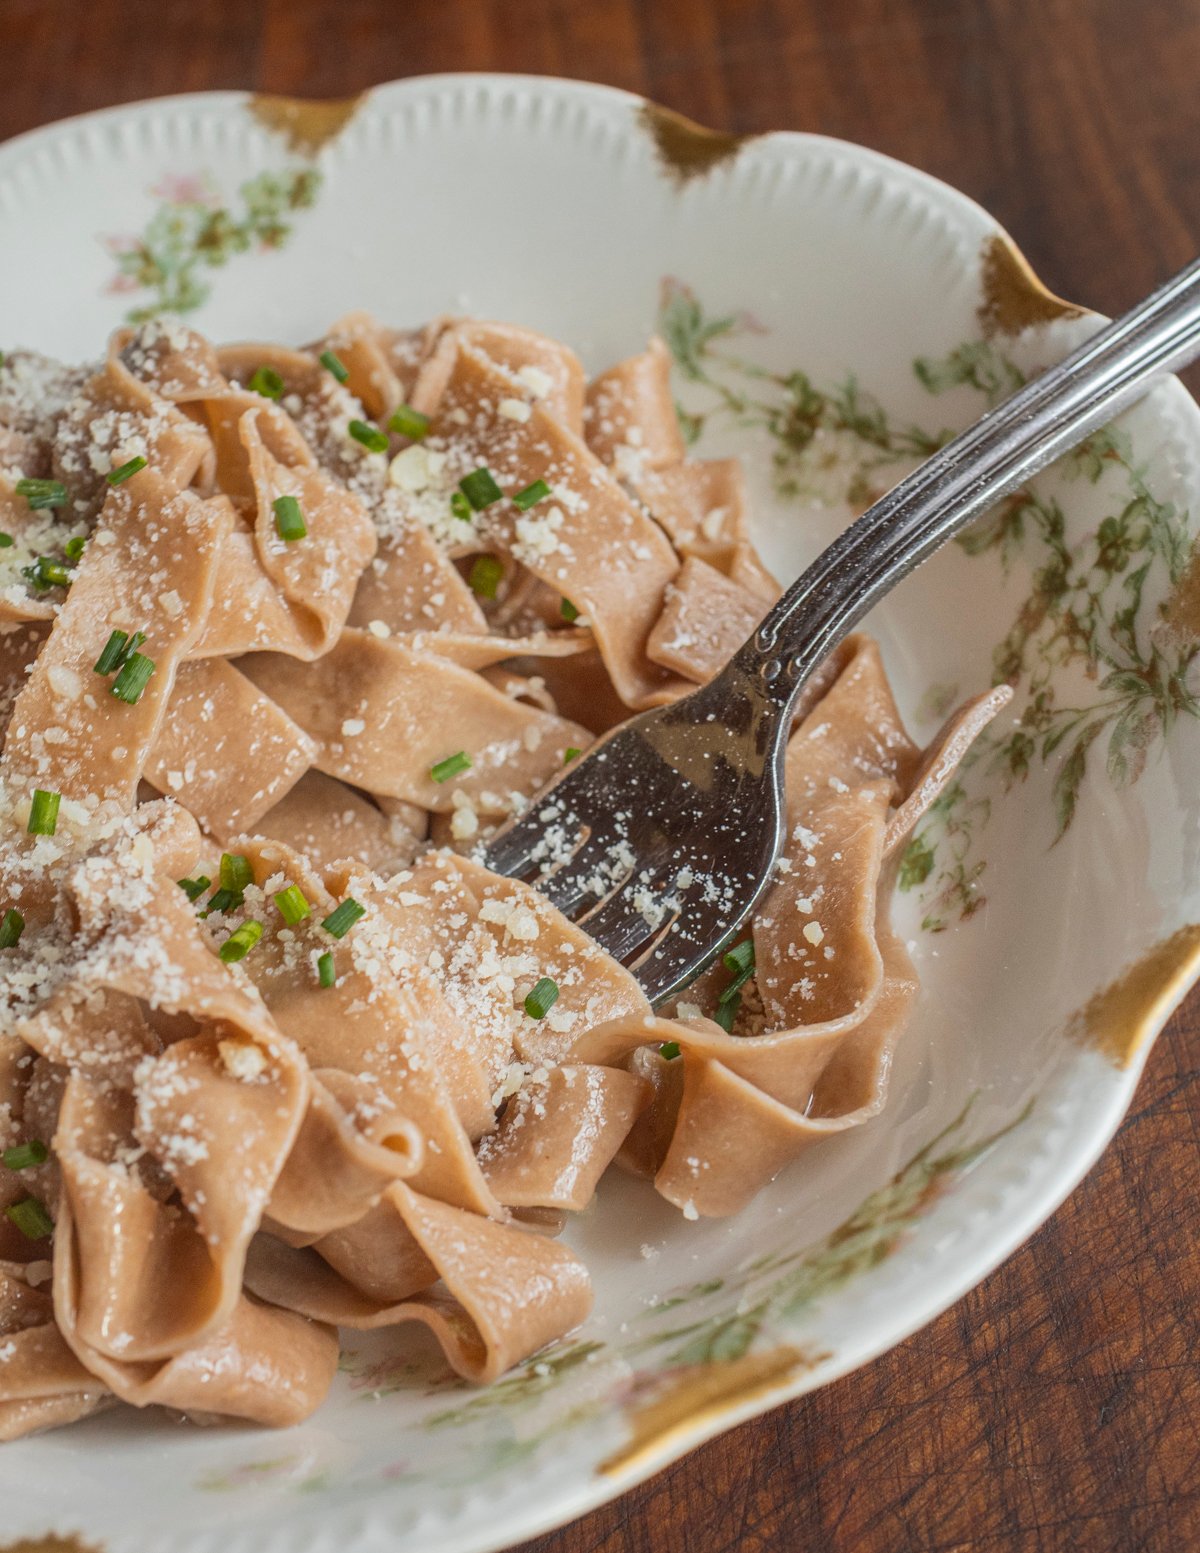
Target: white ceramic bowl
[[1050, 902]]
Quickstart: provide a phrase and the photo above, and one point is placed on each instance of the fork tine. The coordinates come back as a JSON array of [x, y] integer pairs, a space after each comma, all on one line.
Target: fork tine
[[570, 887], [514, 851], [619, 927]]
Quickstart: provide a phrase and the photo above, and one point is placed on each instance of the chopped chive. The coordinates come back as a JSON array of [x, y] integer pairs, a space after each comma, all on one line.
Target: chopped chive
[[119, 648], [113, 653], [292, 906], [326, 972], [486, 572], [740, 956], [532, 494], [342, 918], [374, 440], [669, 1050], [450, 767], [43, 812], [570, 754], [739, 960], [240, 942], [568, 611], [6, 541], [334, 363], [12, 925], [460, 507], [480, 488], [31, 1218], [73, 548], [25, 1156], [135, 675], [542, 998], [223, 900], [194, 888], [734, 989], [409, 422], [46, 573], [135, 466], [267, 382], [42, 493], [236, 872], [289, 520], [727, 1012]]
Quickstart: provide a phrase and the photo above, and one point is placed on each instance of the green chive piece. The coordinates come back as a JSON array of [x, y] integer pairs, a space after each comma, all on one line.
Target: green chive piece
[[570, 754], [31, 1218], [43, 812], [134, 466], [342, 918], [734, 989], [46, 573], [223, 900], [73, 548], [240, 942], [669, 1050], [739, 960], [6, 541], [480, 488], [542, 999], [25, 1156], [326, 972], [194, 888], [374, 440], [460, 507], [113, 654], [118, 650], [236, 872], [292, 906], [409, 422], [568, 611], [486, 572], [135, 675], [289, 520], [740, 957], [531, 495], [450, 767], [334, 363], [267, 382], [12, 925], [726, 1013], [42, 493]]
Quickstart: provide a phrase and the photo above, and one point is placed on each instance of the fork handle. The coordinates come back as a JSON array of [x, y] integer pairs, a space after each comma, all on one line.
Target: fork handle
[[1045, 418]]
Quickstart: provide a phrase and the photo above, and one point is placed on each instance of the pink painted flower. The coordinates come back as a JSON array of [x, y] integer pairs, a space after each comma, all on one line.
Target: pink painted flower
[[185, 189]]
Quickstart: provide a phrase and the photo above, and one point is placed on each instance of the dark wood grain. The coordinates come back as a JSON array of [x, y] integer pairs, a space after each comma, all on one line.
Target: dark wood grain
[[1058, 1406]]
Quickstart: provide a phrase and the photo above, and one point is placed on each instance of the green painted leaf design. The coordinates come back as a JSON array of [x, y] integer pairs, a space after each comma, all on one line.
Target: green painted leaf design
[[1083, 648], [192, 231]]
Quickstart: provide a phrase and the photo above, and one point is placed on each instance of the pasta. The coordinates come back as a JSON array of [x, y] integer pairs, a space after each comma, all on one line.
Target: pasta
[[283, 634]]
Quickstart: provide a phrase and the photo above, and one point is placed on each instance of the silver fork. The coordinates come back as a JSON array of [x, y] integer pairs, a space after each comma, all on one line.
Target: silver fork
[[660, 841]]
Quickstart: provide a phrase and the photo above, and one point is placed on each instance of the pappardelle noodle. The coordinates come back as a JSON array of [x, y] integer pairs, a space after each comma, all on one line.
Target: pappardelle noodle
[[283, 634]]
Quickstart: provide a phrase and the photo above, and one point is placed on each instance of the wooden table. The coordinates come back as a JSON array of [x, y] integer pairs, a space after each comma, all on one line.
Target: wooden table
[[1058, 1406]]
